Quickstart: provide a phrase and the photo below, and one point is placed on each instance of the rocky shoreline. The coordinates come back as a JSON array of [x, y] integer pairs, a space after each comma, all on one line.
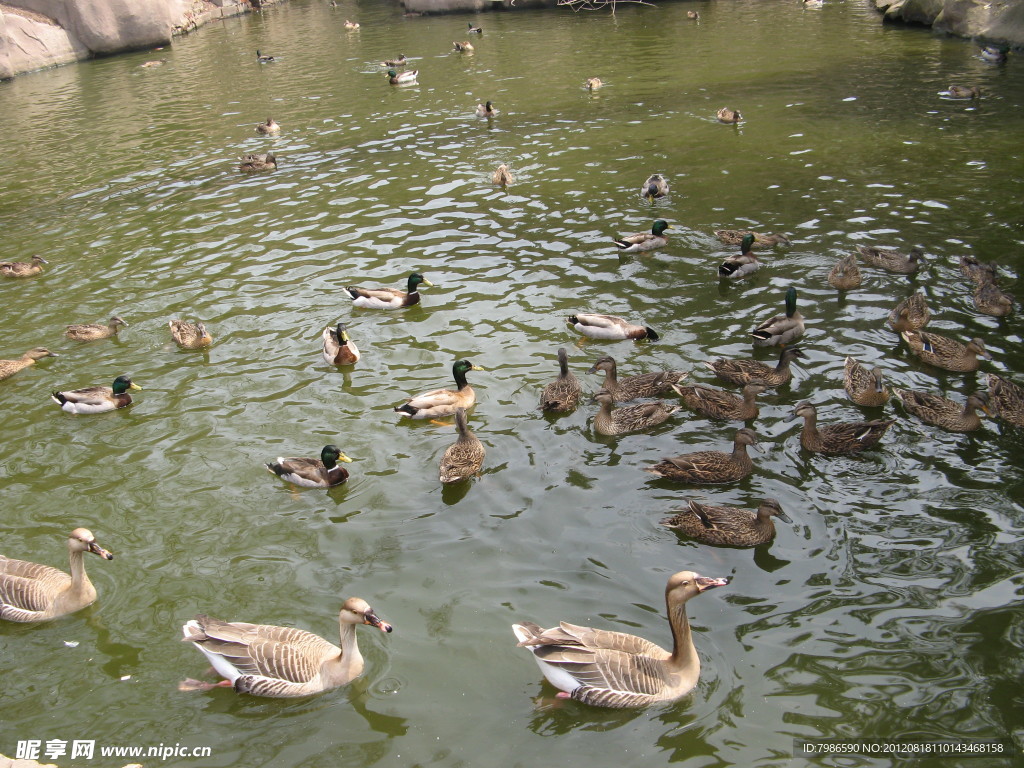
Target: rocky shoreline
[[998, 22]]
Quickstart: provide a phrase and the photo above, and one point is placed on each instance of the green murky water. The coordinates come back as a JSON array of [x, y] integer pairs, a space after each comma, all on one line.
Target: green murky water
[[888, 609]]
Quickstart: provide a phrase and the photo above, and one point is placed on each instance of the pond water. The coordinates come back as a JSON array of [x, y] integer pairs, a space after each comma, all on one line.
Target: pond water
[[888, 609]]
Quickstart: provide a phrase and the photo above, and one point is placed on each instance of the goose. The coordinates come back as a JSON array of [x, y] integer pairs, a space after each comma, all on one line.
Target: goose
[[645, 241], [615, 669], [945, 413], [10, 367], [33, 592], [312, 473], [22, 268], [723, 526], [264, 660], [442, 402], [388, 298], [463, 458], [839, 438], [96, 399], [610, 327], [711, 466], [943, 352], [865, 387], [563, 394], [190, 335], [744, 371], [93, 331], [632, 418], [339, 349], [634, 387]]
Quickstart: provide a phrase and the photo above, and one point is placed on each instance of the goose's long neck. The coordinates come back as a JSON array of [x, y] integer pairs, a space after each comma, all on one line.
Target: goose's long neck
[[350, 657], [684, 655], [79, 579]]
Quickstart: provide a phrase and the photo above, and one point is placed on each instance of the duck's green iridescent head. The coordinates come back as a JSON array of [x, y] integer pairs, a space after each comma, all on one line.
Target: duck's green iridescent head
[[416, 280], [748, 243], [659, 226], [392, 74], [122, 384], [331, 455], [791, 302]]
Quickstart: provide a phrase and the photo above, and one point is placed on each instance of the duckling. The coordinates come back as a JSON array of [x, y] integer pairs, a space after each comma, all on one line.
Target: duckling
[[963, 91], [312, 473], [940, 412], [473, 30], [864, 386], [943, 352], [892, 260], [351, 24], [465, 456], [722, 526], [262, 59], [654, 187], [840, 438], [780, 330], [93, 331], [268, 127], [22, 268], [408, 77], [990, 299], [502, 176], [653, 384], [465, 45], [190, 335], [632, 418], [485, 110], [1008, 399], [845, 275], [10, 367], [442, 402], [96, 399], [339, 349], [745, 371], [645, 241], [389, 298], [593, 83], [911, 314], [726, 115], [401, 61], [610, 327], [711, 466], [563, 394], [258, 163], [735, 237], [742, 264], [722, 405]]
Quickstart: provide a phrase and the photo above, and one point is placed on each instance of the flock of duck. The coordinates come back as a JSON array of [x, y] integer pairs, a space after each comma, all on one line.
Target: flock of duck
[[590, 665]]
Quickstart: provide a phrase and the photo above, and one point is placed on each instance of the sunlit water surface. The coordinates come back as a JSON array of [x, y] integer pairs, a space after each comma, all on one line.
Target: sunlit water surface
[[888, 609]]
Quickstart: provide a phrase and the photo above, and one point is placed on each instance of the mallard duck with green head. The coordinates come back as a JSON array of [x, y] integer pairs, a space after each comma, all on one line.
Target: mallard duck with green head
[[22, 268], [610, 327], [339, 349], [10, 367], [389, 298], [405, 77], [645, 241], [262, 58], [486, 110], [463, 458], [722, 526], [312, 473], [740, 264], [781, 330], [711, 467], [944, 413], [839, 438], [439, 403], [96, 399]]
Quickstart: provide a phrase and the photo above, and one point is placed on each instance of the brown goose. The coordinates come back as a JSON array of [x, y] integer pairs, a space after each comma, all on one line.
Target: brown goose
[[614, 669], [943, 352], [728, 526], [465, 456], [22, 268], [892, 260], [711, 466], [10, 367], [265, 660], [940, 412], [864, 386], [563, 394], [1007, 398], [722, 405], [632, 418], [840, 438], [33, 592], [746, 371], [911, 314], [93, 331], [634, 387], [845, 275]]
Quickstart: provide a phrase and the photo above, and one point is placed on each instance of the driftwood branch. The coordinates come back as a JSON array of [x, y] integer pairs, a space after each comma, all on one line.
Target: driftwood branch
[[598, 5]]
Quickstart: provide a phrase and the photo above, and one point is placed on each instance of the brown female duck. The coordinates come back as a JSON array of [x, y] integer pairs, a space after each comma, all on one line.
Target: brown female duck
[[22, 268], [93, 331], [892, 260], [845, 275], [563, 394], [711, 466], [634, 387], [1007, 398], [465, 456], [632, 418], [840, 438], [190, 335], [864, 386], [746, 371], [943, 352], [723, 526], [722, 405], [940, 412], [10, 367], [911, 314]]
